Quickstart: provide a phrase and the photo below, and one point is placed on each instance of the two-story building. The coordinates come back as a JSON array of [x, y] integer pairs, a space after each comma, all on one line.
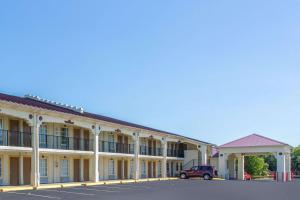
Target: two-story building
[[42, 142]]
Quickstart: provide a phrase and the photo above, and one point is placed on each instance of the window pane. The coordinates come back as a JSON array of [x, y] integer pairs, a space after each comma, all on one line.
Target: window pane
[[64, 172], [0, 167], [43, 167], [111, 167], [1, 132]]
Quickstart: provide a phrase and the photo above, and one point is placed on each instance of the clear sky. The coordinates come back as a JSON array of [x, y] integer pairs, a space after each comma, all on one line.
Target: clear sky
[[212, 70]]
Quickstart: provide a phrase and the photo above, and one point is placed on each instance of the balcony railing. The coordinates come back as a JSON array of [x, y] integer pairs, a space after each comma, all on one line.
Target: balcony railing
[[175, 153], [15, 138], [114, 147], [150, 151], [66, 143]]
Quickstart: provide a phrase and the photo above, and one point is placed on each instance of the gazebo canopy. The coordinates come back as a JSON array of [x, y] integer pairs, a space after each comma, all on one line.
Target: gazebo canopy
[[253, 140]]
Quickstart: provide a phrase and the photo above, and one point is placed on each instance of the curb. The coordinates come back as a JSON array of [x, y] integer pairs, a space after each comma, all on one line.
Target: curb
[[68, 185]]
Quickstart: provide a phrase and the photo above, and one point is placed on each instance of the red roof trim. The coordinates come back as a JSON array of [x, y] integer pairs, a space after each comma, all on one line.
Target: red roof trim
[[44, 105]]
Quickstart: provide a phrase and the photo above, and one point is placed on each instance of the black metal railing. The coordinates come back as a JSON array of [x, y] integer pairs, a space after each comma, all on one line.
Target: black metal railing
[[175, 153], [66, 143], [15, 138], [150, 151], [115, 147]]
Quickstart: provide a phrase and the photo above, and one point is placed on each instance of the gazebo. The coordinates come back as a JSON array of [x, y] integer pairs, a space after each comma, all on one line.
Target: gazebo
[[231, 156]]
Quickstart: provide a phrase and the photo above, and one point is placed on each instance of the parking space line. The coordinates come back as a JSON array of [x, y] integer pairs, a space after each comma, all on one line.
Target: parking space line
[[122, 187], [62, 191], [91, 189], [101, 190], [36, 195]]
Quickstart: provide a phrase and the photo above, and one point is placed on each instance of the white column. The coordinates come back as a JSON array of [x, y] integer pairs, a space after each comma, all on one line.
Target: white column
[[35, 152], [21, 129], [123, 169], [241, 164], [81, 169], [288, 167], [81, 139], [164, 161], [203, 154], [21, 181], [96, 157], [136, 156], [5, 174], [222, 165], [281, 168]]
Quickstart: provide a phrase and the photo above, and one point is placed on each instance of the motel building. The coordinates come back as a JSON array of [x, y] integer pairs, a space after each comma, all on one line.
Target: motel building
[[43, 142]]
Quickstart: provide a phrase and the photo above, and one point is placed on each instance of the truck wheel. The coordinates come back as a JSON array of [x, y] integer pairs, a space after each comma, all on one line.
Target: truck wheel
[[206, 177], [183, 176]]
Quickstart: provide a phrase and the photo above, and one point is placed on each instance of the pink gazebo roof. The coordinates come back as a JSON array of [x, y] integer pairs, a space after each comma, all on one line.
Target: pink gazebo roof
[[253, 140]]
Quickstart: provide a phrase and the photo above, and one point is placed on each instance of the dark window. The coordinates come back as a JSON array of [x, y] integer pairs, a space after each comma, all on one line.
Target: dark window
[[206, 168]]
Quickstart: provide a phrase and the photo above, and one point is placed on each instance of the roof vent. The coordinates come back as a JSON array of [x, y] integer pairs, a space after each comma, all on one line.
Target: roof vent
[[70, 107]]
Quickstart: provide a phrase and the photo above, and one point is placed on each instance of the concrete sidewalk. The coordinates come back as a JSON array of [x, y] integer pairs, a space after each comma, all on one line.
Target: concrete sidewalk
[[77, 184]]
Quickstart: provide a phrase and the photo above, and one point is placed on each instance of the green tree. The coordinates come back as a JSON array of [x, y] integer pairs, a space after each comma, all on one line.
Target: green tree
[[295, 157], [256, 166], [271, 161]]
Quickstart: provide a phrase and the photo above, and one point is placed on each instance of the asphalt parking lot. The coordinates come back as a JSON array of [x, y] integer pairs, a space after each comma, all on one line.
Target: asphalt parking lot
[[176, 190]]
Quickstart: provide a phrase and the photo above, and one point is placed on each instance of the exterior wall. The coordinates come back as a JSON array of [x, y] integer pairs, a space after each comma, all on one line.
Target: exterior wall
[[190, 155], [214, 162], [5, 163], [54, 168], [174, 168], [54, 121]]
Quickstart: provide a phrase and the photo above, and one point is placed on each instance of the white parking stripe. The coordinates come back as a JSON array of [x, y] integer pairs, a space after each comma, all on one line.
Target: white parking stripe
[[62, 191], [122, 187], [36, 195], [101, 190]]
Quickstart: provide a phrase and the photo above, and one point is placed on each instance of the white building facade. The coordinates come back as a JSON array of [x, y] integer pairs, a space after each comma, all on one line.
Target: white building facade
[[44, 142]]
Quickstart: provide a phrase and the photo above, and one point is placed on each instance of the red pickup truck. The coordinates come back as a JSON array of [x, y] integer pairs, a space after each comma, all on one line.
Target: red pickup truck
[[206, 172]]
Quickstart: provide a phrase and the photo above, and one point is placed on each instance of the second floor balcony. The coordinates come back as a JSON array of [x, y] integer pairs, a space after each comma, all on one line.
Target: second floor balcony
[[150, 151], [65, 143], [175, 153], [115, 147], [15, 138]]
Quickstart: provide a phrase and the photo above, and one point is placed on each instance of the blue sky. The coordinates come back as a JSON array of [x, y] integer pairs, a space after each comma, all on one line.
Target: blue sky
[[212, 70]]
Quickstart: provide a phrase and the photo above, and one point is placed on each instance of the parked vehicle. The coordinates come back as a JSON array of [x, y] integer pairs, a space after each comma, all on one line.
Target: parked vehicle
[[293, 174], [206, 172], [247, 176]]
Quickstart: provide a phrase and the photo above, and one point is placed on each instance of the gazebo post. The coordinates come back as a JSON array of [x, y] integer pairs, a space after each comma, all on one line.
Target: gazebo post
[[241, 167], [281, 166]]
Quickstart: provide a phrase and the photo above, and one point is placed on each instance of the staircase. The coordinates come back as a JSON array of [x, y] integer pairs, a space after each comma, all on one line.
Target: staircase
[[191, 163]]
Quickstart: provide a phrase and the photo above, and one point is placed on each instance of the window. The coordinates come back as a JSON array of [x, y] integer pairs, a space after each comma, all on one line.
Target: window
[[144, 168], [43, 167], [131, 168], [64, 168], [1, 132], [43, 136], [159, 169], [64, 137], [111, 168], [0, 167], [177, 167], [111, 146], [168, 170]]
